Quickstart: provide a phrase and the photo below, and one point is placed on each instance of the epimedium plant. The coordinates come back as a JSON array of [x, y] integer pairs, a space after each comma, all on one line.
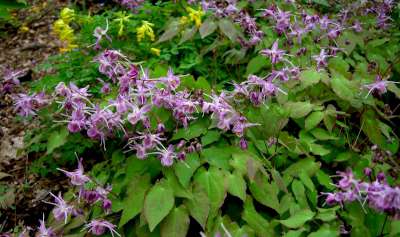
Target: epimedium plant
[[222, 118]]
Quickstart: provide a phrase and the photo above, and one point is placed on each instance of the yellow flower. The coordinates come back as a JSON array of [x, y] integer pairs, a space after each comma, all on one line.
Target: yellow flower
[[144, 30], [183, 20], [68, 47], [66, 35], [24, 28], [121, 19], [67, 15], [195, 16], [155, 51]]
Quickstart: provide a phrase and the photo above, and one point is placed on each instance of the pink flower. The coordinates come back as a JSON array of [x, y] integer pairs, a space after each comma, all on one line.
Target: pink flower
[[43, 231], [62, 209], [99, 227], [77, 177], [275, 54]]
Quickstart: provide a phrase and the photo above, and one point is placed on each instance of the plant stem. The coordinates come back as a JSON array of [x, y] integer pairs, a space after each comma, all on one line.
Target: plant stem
[[383, 226]]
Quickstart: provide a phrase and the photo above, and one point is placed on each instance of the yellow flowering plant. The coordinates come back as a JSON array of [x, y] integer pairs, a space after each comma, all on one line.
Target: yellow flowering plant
[[155, 51], [64, 31], [122, 19], [145, 30], [195, 16]]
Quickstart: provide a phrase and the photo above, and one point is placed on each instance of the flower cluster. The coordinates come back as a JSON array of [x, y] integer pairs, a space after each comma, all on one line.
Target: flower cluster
[[137, 95], [64, 32], [130, 4], [63, 210], [10, 79], [379, 86], [145, 30], [27, 105], [227, 117], [100, 33], [378, 194], [195, 16], [228, 8]]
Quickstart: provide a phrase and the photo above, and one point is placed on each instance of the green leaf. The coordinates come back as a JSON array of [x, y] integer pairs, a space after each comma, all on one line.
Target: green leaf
[[266, 115], [313, 119], [158, 203], [228, 29], [214, 182], [188, 34], [210, 137], [339, 65], [294, 233], [310, 77], [256, 64], [264, 192], [327, 214], [322, 134], [207, 28], [299, 109], [254, 219], [324, 231], [299, 193], [371, 128], [298, 219], [308, 165], [279, 180], [324, 179], [306, 180], [176, 224], [318, 149], [322, 2], [185, 170], [133, 203], [199, 205], [56, 139], [171, 31], [202, 84], [12, 4], [343, 88], [237, 185], [173, 182], [330, 117], [394, 89], [194, 130], [395, 228], [218, 156], [240, 162]]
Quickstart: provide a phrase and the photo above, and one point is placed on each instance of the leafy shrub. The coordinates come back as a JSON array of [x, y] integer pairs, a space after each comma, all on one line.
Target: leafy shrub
[[226, 118]]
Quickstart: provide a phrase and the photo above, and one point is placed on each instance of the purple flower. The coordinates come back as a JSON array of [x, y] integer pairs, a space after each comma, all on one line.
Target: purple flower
[[27, 105], [99, 227], [43, 231], [62, 209], [167, 156], [138, 114], [10, 79], [171, 80], [90, 196], [77, 177], [367, 171], [378, 194], [321, 59], [347, 180], [77, 121], [130, 4], [99, 33], [243, 143], [379, 86], [107, 204], [275, 54]]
